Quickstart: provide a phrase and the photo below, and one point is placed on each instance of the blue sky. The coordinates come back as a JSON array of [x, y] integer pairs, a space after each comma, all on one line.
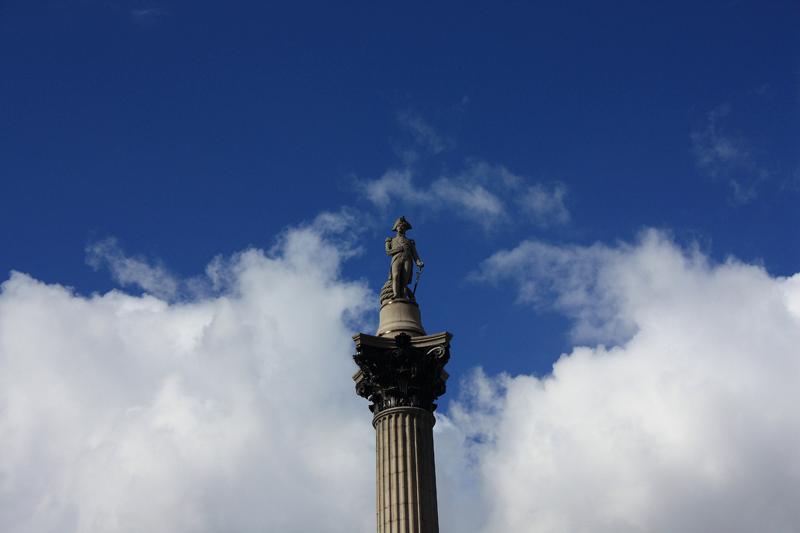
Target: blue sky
[[186, 131]]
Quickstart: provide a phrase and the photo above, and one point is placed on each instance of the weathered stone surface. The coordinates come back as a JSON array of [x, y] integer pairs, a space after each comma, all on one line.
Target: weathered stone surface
[[405, 473], [403, 371], [403, 252], [400, 316]]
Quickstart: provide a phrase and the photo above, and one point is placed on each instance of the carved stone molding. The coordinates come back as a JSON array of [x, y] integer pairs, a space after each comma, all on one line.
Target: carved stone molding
[[403, 371]]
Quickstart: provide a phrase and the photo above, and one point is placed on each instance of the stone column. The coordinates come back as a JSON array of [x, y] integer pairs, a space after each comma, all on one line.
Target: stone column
[[406, 475], [402, 377]]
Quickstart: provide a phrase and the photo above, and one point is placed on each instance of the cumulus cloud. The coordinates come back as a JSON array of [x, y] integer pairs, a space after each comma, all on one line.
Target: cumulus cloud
[[725, 156], [579, 281], [132, 271], [235, 412], [689, 423], [482, 192], [123, 413]]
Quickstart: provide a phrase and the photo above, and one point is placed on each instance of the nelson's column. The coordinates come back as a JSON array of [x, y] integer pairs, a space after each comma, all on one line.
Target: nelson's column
[[401, 372]]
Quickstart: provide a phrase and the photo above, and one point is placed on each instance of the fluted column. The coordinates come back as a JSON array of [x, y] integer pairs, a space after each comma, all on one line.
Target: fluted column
[[406, 476], [402, 378]]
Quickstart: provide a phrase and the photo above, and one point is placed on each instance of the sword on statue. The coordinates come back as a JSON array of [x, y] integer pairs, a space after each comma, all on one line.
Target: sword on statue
[[419, 275]]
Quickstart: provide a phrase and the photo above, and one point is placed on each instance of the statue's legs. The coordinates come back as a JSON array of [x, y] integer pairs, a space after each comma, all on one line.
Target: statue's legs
[[401, 277], [398, 289]]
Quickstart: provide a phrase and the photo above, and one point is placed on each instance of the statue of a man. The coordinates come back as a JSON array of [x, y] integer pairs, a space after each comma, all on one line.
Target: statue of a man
[[403, 252]]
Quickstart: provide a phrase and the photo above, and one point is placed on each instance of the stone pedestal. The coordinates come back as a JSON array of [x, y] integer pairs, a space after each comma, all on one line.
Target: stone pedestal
[[400, 315], [402, 377]]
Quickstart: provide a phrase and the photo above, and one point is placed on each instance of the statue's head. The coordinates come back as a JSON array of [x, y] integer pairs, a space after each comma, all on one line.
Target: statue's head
[[401, 225]]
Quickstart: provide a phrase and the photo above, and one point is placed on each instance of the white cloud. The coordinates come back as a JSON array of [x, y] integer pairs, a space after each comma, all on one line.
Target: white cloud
[[236, 412], [147, 16], [132, 271], [424, 134], [545, 205], [728, 157], [579, 281], [395, 184], [123, 413], [689, 424], [468, 198], [472, 198], [480, 192]]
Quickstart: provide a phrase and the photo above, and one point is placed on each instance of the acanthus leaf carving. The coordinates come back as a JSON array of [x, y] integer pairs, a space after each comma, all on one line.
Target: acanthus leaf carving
[[401, 375]]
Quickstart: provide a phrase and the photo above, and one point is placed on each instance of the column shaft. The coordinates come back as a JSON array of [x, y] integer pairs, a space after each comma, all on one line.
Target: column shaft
[[406, 476]]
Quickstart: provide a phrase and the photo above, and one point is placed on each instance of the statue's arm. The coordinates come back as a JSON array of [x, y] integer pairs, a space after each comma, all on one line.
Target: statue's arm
[[388, 246], [415, 255]]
